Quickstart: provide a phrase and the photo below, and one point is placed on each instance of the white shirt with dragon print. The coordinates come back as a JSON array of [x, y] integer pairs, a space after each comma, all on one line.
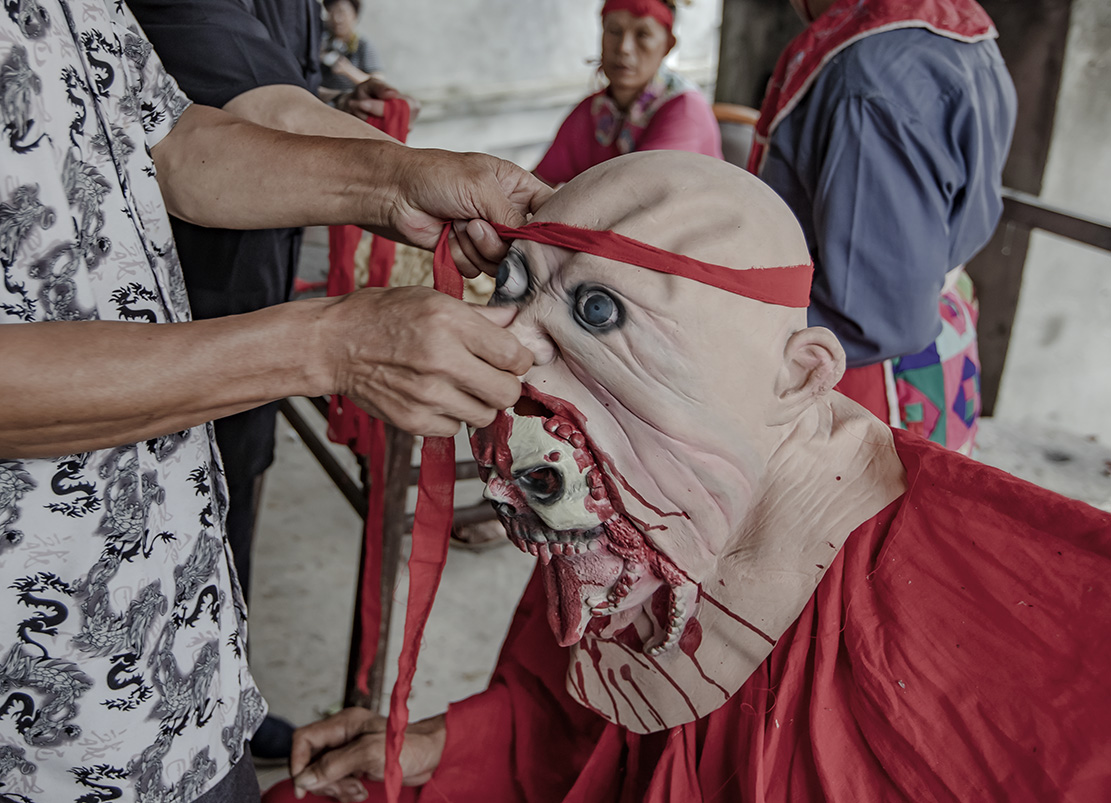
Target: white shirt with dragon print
[[122, 667]]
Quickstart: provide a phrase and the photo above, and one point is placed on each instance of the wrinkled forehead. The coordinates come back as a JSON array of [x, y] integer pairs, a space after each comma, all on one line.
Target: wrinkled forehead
[[686, 204]]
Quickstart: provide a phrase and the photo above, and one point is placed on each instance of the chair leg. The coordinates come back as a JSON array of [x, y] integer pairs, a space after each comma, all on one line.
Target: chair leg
[[399, 452]]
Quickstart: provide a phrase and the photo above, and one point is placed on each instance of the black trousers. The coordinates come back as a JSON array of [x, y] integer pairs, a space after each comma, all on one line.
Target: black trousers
[[238, 786]]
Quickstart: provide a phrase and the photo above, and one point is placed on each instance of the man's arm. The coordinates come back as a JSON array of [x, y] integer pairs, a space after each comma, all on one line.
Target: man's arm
[[218, 170], [408, 355], [291, 108]]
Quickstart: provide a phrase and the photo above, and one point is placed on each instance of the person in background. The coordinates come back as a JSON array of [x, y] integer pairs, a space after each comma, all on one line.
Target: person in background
[[885, 129], [347, 58], [644, 106]]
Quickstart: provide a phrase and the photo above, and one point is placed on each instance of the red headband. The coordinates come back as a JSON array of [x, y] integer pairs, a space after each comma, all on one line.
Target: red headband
[[655, 9], [785, 286]]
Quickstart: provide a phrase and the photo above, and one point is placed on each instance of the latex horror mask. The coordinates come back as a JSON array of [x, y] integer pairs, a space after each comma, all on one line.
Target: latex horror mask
[[633, 463]]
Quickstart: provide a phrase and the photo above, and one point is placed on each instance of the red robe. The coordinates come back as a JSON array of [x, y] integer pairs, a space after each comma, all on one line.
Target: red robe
[[955, 650]]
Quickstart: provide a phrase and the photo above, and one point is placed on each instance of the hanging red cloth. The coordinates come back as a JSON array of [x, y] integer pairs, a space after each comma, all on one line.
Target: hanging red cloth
[[351, 426], [347, 424]]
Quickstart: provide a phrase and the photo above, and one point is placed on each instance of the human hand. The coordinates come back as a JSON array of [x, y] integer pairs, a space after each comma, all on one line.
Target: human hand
[[422, 360], [329, 757], [434, 186], [342, 66], [369, 96]]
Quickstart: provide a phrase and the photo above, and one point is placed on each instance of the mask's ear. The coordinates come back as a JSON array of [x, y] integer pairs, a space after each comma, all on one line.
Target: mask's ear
[[813, 362]]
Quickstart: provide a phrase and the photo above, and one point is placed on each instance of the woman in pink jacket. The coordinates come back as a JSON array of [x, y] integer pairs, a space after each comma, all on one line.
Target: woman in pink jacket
[[645, 106]]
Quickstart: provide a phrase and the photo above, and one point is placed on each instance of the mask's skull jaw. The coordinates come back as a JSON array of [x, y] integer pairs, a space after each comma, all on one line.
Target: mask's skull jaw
[[572, 586], [549, 490]]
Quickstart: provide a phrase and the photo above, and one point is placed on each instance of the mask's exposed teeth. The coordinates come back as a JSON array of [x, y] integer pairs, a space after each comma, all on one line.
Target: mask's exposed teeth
[[630, 573], [683, 599], [597, 485], [565, 431], [546, 545]]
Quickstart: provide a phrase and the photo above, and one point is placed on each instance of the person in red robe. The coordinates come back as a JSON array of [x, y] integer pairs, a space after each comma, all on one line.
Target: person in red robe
[[758, 590]]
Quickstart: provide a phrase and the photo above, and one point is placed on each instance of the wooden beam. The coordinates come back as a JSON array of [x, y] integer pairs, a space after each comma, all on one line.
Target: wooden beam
[[753, 33], [1032, 39]]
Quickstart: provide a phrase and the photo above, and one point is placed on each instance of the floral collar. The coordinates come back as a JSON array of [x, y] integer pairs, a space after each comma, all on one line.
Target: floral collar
[[623, 129]]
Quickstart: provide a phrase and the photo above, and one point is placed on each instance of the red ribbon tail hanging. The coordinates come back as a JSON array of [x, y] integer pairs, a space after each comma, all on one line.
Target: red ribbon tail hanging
[[431, 531], [370, 575]]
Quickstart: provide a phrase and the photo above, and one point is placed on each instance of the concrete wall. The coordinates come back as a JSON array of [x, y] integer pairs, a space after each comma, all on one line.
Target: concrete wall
[[499, 75], [465, 47], [1059, 367]]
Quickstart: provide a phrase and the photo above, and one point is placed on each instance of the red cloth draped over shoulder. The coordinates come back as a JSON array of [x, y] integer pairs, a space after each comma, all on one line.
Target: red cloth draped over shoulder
[[954, 650], [842, 24]]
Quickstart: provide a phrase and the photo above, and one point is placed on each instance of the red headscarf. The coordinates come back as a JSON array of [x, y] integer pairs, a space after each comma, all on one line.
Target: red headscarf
[[656, 9]]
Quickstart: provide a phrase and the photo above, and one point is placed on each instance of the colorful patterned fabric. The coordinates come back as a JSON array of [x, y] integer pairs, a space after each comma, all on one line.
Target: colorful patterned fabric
[[938, 389], [936, 392], [623, 129]]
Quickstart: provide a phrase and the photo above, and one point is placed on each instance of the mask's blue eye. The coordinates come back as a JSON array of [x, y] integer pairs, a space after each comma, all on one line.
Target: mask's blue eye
[[597, 309]]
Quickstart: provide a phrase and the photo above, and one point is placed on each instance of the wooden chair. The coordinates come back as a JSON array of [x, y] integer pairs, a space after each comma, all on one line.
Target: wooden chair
[[738, 126]]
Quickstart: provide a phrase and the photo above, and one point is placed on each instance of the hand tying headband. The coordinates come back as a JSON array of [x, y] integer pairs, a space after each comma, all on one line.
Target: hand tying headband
[[656, 9], [787, 286]]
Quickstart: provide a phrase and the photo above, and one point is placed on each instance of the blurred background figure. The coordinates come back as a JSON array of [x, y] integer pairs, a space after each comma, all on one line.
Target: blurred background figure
[[644, 106], [346, 58]]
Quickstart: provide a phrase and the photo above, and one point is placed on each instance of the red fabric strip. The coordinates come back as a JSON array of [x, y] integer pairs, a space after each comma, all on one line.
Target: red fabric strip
[[354, 428], [655, 9], [431, 530], [785, 286], [866, 386]]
